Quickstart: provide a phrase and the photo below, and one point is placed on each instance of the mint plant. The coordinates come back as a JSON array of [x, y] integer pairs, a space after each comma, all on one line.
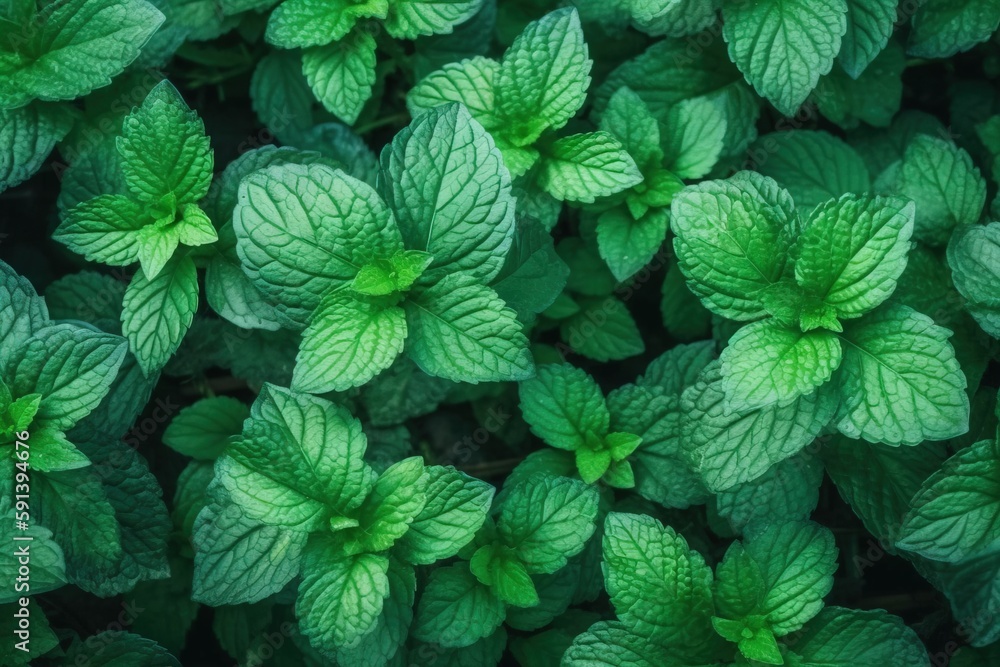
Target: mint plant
[[482, 333]]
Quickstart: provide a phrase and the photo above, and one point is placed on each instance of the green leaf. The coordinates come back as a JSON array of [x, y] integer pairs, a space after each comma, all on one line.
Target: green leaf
[[340, 597], [342, 73], [456, 508], [695, 137], [115, 648], [498, 567], [814, 166], [869, 25], [470, 82], [543, 78], [660, 588], [956, 513], [28, 135], [202, 430], [677, 368], [238, 559], [974, 258], [583, 167], [613, 645], [629, 119], [446, 183], [602, 330], [70, 48], [945, 185], [394, 502], [347, 343], [104, 229], [766, 363], [788, 491], [455, 609], [729, 448], [327, 223], [853, 250], [409, 19], [22, 311], [732, 239], [796, 562], [564, 406], [47, 563], [941, 29], [51, 450], [462, 331], [899, 381], [845, 637], [165, 150], [628, 244], [71, 367], [299, 461], [547, 520], [784, 46], [383, 643], [157, 313], [533, 275], [873, 98], [280, 94], [302, 23]]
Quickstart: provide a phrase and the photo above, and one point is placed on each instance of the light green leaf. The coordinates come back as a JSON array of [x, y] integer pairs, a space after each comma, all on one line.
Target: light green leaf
[[347, 343], [104, 229], [899, 381], [564, 406], [853, 250], [157, 313], [71, 48], [660, 588], [299, 461], [543, 77], [869, 26], [695, 136], [326, 224], [165, 150], [71, 367], [547, 520], [340, 597], [766, 362], [462, 331], [456, 508], [303, 23], [22, 311], [729, 448], [583, 167], [784, 46], [946, 186], [942, 28], [455, 609], [628, 118], [788, 491], [51, 451], [392, 628], [394, 502], [342, 74], [409, 19], [613, 645], [202, 430], [732, 239], [627, 244], [470, 82], [974, 258], [446, 183], [602, 330], [956, 513]]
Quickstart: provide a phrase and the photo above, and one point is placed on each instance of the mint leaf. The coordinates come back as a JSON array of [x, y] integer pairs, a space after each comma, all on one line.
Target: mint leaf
[[456, 508], [341, 596], [944, 183], [164, 150], [533, 275], [611, 644], [602, 329], [695, 137], [72, 368], [974, 258], [899, 381], [583, 167], [238, 559], [543, 78], [627, 244], [342, 73], [853, 250], [456, 610], [766, 362], [28, 135], [447, 185], [70, 48], [462, 331], [661, 589], [784, 46], [942, 29], [956, 513], [547, 520], [409, 19], [349, 341], [158, 312], [396, 499], [874, 97], [564, 406], [104, 229], [328, 224], [302, 23], [298, 463], [732, 238], [841, 637], [202, 430], [729, 448], [22, 311], [788, 491], [393, 625], [869, 25]]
